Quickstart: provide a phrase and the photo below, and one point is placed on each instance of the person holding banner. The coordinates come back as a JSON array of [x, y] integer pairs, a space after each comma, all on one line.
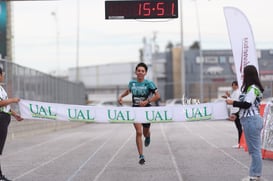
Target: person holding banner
[[5, 116], [249, 101], [143, 93], [234, 111]]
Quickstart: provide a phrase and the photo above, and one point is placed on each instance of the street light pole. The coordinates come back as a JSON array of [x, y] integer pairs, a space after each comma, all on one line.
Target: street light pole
[[77, 40], [183, 73], [54, 14], [200, 53]]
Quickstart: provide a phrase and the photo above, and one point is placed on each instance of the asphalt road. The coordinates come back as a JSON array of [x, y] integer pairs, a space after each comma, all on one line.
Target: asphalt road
[[186, 151]]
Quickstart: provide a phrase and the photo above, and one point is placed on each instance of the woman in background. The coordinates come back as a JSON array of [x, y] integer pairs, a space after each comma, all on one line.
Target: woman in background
[[249, 102], [234, 111]]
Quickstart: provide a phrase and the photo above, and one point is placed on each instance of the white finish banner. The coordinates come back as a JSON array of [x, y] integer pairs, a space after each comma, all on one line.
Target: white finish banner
[[65, 112], [241, 40]]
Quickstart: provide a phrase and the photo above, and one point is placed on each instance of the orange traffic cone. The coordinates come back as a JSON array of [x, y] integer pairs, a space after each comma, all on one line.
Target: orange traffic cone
[[267, 154], [243, 142], [262, 106]]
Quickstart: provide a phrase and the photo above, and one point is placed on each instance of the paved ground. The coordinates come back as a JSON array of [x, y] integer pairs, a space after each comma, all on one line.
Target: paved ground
[[186, 151]]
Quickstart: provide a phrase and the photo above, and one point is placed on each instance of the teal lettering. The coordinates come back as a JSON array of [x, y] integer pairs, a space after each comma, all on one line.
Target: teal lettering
[[157, 116], [147, 116], [197, 113], [46, 111], [50, 113], [119, 115], [43, 111], [205, 111], [112, 116], [166, 116], [69, 114], [89, 116], [80, 115], [31, 109]]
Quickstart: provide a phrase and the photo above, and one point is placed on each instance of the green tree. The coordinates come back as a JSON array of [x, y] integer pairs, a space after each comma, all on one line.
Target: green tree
[[169, 46], [195, 45]]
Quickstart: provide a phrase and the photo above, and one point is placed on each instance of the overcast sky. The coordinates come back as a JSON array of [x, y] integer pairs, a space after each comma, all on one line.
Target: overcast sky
[[36, 29]]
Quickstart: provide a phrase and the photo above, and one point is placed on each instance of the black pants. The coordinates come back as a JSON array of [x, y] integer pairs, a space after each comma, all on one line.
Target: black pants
[[4, 124], [239, 127]]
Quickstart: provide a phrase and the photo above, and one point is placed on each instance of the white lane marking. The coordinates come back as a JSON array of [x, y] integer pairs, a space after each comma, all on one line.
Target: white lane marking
[[86, 161], [43, 143], [54, 158], [180, 178], [108, 163], [51, 160], [216, 147], [35, 146], [220, 131]]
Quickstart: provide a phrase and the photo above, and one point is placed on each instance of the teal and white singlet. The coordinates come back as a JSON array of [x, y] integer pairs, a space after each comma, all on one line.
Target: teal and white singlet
[[141, 90]]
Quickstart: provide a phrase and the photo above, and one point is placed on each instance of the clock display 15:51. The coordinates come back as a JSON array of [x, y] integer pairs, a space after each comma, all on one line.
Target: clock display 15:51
[[141, 9], [156, 9]]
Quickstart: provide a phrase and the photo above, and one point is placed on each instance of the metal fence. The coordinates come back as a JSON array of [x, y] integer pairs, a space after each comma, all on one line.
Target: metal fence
[[30, 84]]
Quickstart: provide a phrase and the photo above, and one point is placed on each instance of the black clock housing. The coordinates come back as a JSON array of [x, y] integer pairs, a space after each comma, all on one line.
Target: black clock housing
[[141, 9]]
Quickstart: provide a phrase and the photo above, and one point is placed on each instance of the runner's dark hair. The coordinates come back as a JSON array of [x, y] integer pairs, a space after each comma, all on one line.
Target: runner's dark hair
[[141, 64]]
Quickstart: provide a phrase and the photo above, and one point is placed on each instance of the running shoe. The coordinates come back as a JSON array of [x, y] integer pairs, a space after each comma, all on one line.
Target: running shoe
[[252, 179], [147, 141], [3, 178], [141, 160]]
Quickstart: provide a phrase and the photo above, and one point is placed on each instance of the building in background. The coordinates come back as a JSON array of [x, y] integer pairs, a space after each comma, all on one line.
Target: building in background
[[105, 82], [5, 31], [219, 72]]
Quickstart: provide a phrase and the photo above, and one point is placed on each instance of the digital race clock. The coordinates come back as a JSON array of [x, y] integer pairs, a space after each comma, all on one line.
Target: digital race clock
[[141, 9]]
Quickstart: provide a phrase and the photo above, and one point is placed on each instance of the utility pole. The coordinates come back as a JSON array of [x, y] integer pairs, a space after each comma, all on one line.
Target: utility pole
[[9, 35], [54, 14], [200, 54], [183, 73], [77, 40]]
